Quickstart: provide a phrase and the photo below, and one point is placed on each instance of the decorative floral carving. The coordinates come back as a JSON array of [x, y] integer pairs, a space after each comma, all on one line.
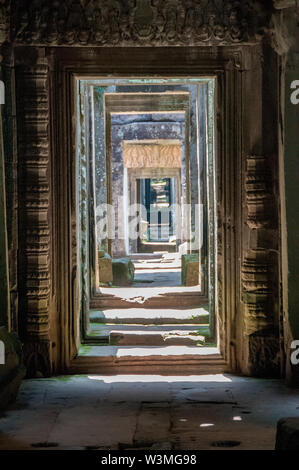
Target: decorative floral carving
[[136, 22], [264, 354], [152, 155]]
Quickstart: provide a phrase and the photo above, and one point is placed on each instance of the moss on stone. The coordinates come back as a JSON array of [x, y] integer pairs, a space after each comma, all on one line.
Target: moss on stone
[[123, 271]]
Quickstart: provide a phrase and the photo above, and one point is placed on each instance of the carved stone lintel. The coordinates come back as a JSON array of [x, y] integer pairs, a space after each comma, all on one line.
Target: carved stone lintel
[[155, 155], [142, 22]]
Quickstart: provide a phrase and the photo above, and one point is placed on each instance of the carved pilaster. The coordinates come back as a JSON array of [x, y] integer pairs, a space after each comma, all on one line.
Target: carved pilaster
[[33, 143], [258, 193], [264, 354], [256, 281], [258, 270]]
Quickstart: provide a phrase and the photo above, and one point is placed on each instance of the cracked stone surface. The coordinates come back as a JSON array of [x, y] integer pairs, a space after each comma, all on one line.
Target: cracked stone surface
[[146, 412]]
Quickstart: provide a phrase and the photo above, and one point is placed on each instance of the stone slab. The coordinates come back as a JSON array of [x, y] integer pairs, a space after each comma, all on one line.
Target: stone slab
[[72, 412], [123, 271], [102, 331], [105, 268], [190, 269], [155, 338], [147, 352]]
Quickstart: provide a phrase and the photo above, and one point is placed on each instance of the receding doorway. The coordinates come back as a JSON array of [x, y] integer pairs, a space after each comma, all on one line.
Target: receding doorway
[[147, 212]]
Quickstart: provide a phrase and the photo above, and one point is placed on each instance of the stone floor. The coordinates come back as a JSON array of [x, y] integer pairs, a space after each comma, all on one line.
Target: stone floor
[[157, 270], [157, 278], [160, 412], [139, 295], [155, 274]]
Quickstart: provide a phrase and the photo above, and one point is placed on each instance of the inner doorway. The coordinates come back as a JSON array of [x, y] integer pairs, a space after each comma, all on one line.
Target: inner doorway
[[157, 196], [148, 210]]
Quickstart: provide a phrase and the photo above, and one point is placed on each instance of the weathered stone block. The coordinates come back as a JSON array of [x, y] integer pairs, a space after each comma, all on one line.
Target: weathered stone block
[[105, 268], [144, 230], [123, 271], [183, 248], [12, 371], [287, 435], [264, 354], [154, 338], [190, 269]]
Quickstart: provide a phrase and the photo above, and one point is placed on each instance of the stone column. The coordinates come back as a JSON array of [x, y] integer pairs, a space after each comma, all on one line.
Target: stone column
[[5, 318], [4, 276], [259, 284]]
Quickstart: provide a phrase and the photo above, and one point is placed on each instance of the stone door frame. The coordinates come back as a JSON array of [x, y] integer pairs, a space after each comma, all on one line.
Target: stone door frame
[[205, 65], [140, 173], [49, 273], [162, 102]]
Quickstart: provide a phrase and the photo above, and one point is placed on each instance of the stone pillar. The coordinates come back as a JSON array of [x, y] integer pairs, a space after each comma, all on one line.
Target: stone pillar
[[34, 196], [5, 317], [258, 272], [290, 182], [4, 275]]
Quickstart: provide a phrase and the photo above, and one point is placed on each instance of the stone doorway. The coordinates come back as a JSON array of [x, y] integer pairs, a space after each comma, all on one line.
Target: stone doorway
[[53, 278], [147, 168]]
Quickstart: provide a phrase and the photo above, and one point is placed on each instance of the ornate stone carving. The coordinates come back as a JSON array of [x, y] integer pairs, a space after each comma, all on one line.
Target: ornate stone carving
[[264, 355], [258, 273], [135, 22], [256, 283], [152, 155], [258, 193], [33, 146], [37, 356]]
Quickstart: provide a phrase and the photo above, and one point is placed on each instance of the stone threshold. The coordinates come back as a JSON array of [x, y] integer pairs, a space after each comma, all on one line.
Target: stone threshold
[[152, 352], [148, 335], [173, 360]]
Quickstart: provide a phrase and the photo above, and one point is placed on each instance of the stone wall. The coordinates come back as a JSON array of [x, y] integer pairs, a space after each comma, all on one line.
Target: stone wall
[[286, 43]]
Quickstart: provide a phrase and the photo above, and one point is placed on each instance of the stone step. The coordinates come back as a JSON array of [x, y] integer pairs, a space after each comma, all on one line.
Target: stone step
[[102, 330], [163, 360], [155, 338], [145, 316], [146, 256]]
